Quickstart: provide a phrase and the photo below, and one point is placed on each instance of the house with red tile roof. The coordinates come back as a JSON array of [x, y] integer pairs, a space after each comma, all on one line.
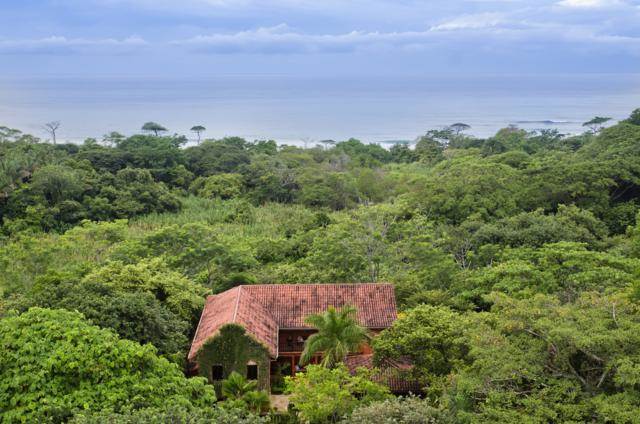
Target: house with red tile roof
[[260, 330]]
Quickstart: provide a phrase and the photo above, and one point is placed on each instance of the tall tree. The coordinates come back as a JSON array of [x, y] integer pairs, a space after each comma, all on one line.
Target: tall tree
[[339, 333], [459, 127], [153, 127], [634, 118], [198, 129], [51, 128], [596, 124]]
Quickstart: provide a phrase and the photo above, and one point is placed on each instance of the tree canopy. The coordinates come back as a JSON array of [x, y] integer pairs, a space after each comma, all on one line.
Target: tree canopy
[[515, 260], [69, 366]]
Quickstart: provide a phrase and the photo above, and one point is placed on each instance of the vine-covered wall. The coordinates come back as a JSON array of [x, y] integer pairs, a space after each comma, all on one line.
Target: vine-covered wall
[[233, 348]]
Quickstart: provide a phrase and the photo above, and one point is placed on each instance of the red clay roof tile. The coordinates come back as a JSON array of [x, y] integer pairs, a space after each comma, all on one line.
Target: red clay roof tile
[[266, 308]]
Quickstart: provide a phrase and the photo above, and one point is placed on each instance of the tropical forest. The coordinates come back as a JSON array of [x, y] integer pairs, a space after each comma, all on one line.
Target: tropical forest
[[514, 259]]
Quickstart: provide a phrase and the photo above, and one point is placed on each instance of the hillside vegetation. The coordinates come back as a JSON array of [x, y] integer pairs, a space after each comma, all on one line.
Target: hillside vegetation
[[516, 262]]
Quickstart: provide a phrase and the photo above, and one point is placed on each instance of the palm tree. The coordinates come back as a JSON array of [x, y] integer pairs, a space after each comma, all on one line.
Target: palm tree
[[236, 386], [338, 334], [257, 401]]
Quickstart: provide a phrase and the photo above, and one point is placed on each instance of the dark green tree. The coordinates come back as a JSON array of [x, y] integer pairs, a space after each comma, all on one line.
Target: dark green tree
[[153, 127], [596, 124], [198, 129], [459, 127]]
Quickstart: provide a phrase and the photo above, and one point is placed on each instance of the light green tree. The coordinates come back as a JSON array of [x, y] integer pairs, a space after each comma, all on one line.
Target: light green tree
[[322, 395], [53, 364]]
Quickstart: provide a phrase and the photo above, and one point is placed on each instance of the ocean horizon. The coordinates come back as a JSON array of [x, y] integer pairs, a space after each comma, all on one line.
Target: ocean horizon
[[304, 110]]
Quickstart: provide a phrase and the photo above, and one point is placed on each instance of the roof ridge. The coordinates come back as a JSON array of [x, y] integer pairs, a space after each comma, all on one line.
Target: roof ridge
[[235, 310], [315, 284]]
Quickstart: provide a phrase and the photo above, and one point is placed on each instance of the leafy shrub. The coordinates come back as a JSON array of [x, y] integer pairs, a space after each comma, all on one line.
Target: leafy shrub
[[432, 337], [322, 395], [172, 416], [222, 186], [409, 410], [53, 365]]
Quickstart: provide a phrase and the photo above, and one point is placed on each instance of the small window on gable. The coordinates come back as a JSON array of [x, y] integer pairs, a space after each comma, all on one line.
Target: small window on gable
[[216, 373], [252, 372]]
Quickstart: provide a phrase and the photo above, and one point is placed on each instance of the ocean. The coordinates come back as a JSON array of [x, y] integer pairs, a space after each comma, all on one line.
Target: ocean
[[303, 110]]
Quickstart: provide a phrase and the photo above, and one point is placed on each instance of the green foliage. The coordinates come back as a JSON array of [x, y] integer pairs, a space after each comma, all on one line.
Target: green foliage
[[564, 269], [237, 386], [153, 127], [59, 197], [322, 395], [369, 155], [146, 301], [537, 360], [431, 337], [135, 315], [172, 415], [234, 349], [223, 186], [181, 296], [534, 229], [54, 365], [410, 410], [338, 334], [429, 150], [401, 153], [634, 118], [596, 123], [217, 156], [239, 391], [483, 239], [466, 188], [28, 257], [333, 190], [258, 401], [198, 250]]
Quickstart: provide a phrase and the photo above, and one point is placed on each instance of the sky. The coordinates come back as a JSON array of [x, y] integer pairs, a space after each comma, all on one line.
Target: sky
[[313, 37]]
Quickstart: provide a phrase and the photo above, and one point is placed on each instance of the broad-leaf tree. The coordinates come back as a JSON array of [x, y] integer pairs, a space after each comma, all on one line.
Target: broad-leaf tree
[[53, 365]]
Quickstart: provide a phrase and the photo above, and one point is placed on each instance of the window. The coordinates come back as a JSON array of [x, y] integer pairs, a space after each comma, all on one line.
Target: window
[[216, 373], [252, 372]]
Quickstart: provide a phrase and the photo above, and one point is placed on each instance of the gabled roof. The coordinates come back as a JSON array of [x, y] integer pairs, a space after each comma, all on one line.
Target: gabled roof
[[264, 309], [235, 306]]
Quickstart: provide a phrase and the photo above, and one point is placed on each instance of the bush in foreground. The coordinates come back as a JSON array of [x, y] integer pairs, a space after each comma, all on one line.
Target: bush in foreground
[[409, 410], [53, 365], [173, 416]]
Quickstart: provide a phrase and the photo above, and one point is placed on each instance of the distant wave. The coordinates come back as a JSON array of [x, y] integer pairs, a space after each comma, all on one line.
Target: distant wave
[[394, 142], [546, 122]]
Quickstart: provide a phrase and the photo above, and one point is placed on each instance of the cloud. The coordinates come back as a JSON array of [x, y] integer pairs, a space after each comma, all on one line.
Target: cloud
[[485, 31], [283, 39], [59, 44], [480, 20], [413, 34], [590, 4]]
